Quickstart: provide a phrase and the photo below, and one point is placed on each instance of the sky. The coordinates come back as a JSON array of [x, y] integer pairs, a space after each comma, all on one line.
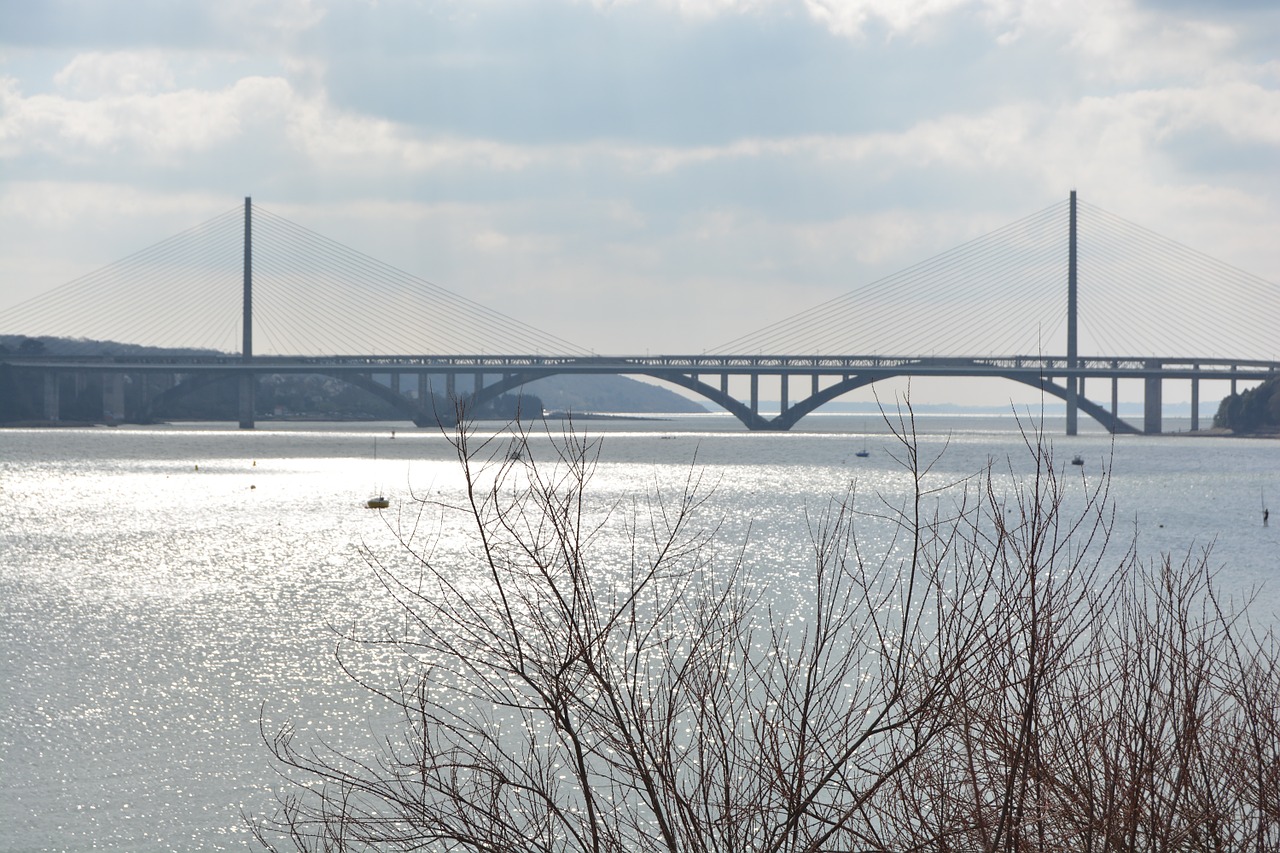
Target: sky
[[635, 177]]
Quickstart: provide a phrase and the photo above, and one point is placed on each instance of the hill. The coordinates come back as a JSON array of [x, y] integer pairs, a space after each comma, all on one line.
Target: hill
[[1251, 412]]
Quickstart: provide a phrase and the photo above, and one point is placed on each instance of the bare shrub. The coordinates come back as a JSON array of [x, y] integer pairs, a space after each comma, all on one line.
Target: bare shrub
[[997, 679]]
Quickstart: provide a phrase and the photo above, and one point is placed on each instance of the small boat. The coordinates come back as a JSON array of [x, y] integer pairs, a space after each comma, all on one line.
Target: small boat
[[377, 501], [1077, 459], [863, 453]]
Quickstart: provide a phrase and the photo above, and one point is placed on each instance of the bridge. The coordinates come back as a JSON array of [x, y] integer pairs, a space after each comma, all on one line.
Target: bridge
[[1042, 269]]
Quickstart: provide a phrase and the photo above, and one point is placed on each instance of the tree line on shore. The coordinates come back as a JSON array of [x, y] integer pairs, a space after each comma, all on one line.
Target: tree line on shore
[[285, 395], [1256, 410]]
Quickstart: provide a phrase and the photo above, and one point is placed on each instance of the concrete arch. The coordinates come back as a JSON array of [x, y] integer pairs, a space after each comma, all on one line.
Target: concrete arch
[[750, 419], [509, 382], [1113, 424], [430, 412], [434, 413], [789, 418], [793, 414]]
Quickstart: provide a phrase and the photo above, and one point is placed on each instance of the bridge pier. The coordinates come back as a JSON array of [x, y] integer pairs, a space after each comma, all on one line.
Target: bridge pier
[[52, 403], [1195, 402], [1073, 404], [153, 387], [782, 391], [113, 397], [1115, 395], [755, 394], [1152, 402], [248, 388]]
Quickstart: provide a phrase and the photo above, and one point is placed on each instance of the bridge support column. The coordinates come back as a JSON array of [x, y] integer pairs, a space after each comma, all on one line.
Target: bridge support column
[[1195, 402], [1073, 405], [1152, 403], [783, 392], [724, 383], [815, 386], [248, 388], [395, 381], [52, 405], [755, 394], [451, 386], [1115, 396], [112, 397]]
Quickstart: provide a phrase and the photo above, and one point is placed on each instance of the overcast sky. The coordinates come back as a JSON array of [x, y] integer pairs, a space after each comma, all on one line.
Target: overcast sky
[[634, 176]]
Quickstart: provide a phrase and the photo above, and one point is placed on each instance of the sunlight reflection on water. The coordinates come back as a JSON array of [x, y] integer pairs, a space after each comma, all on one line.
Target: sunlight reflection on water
[[160, 586]]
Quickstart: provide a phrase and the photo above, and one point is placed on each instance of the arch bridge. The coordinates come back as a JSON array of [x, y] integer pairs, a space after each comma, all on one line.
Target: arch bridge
[[805, 382]]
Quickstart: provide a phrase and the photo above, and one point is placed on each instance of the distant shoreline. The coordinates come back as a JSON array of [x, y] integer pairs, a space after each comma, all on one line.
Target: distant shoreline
[[1211, 432], [81, 424], [599, 416]]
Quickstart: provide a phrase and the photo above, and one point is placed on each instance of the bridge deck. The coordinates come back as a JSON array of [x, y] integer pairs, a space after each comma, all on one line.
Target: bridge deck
[[807, 365]]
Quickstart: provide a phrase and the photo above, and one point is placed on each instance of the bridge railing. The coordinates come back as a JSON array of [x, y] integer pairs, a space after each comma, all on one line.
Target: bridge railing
[[808, 364]]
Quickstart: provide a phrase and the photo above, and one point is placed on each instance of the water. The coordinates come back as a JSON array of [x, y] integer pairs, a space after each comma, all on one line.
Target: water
[[160, 587]]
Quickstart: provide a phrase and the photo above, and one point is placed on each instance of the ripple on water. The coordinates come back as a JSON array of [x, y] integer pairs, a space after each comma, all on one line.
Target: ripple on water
[[149, 610]]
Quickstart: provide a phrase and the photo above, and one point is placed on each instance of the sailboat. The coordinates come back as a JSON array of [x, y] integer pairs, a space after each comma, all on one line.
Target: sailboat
[[377, 501], [863, 453]]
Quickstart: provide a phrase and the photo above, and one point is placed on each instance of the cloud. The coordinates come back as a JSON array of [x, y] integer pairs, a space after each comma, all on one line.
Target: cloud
[[852, 18], [1129, 45], [780, 151], [162, 125], [92, 75], [91, 25], [268, 19]]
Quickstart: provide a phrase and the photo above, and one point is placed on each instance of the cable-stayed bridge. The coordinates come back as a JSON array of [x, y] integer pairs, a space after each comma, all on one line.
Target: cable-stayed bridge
[[250, 294]]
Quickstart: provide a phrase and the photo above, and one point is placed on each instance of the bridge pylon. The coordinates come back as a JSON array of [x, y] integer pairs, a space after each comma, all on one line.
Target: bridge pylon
[[1073, 350], [248, 380]]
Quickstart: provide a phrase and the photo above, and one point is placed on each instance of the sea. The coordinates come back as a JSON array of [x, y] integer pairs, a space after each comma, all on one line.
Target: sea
[[168, 592]]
